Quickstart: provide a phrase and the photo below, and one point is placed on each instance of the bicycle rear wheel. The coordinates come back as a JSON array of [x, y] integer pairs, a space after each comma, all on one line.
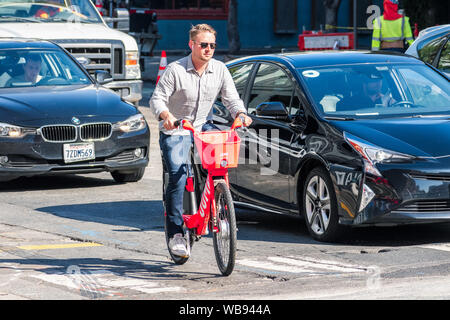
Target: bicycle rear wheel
[[225, 240]]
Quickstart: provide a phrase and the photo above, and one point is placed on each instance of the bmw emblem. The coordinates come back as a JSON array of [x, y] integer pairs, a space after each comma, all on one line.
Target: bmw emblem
[[75, 120]]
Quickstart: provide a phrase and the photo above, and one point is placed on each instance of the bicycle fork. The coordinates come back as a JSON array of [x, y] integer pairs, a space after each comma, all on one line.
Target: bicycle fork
[[207, 209]]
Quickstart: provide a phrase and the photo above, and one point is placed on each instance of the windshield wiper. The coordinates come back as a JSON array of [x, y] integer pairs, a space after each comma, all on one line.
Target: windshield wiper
[[339, 118], [11, 18]]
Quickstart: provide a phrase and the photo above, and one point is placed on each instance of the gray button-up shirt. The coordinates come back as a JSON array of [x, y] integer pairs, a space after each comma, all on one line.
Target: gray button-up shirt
[[186, 95]]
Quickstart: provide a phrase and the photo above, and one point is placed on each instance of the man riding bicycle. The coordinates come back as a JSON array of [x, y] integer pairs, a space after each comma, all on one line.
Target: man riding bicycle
[[187, 90]]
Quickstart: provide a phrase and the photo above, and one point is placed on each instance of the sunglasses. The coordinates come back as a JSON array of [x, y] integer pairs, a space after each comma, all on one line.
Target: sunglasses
[[205, 45]]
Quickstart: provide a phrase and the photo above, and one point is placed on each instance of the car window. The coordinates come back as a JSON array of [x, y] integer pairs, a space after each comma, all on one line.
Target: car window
[[296, 104], [240, 75], [26, 68], [423, 91], [429, 51], [373, 90], [271, 84], [444, 59]]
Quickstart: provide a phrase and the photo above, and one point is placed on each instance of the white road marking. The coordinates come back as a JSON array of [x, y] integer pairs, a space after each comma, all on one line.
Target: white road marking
[[104, 282], [440, 246], [319, 264], [296, 264], [272, 266]]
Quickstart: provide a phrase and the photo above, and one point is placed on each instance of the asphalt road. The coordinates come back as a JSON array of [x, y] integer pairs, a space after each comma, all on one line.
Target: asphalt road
[[86, 237]]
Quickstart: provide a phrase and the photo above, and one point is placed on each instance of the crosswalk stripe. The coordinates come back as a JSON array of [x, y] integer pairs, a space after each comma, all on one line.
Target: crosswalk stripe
[[319, 264], [105, 283], [273, 266], [295, 264], [440, 246]]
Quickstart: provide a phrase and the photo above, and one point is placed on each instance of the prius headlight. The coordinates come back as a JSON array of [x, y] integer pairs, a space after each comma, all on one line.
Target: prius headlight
[[11, 131], [133, 123], [373, 154]]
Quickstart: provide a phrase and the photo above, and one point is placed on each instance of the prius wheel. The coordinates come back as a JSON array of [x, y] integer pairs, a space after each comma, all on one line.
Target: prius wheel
[[320, 206]]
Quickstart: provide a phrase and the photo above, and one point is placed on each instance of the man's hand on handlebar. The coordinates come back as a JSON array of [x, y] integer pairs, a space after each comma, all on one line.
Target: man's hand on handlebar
[[169, 120], [246, 120]]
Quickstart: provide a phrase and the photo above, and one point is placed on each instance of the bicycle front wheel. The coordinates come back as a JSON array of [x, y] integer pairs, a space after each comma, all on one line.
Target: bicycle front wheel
[[225, 239]]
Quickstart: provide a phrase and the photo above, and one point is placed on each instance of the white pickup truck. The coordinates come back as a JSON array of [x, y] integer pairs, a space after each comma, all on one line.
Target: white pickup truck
[[77, 26]]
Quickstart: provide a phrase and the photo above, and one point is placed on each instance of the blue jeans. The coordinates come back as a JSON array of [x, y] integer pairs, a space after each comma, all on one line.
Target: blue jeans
[[175, 151]]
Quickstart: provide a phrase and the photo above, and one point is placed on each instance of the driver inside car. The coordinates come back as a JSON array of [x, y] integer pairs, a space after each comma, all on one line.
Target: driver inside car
[[371, 95], [31, 69]]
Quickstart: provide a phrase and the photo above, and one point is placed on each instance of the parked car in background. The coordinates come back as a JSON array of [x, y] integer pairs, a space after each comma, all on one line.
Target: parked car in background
[[56, 119], [342, 138], [433, 46], [77, 26]]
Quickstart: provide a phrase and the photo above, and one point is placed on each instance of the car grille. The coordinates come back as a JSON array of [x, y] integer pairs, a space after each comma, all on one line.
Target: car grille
[[100, 55], [96, 131], [424, 206], [60, 133], [68, 133]]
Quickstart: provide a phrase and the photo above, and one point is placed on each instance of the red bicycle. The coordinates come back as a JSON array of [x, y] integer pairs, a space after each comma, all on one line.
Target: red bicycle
[[218, 150]]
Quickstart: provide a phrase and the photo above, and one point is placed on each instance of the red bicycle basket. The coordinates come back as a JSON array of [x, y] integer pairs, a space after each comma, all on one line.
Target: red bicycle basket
[[218, 149]]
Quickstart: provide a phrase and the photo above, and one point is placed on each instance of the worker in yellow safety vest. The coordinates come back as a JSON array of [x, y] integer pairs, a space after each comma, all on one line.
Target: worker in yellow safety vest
[[391, 29]]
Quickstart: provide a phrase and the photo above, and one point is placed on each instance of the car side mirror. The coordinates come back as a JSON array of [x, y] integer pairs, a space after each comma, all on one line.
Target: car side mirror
[[103, 77], [272, 110]]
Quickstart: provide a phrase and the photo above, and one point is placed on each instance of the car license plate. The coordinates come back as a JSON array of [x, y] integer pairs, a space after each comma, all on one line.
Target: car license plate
[[74, 152]]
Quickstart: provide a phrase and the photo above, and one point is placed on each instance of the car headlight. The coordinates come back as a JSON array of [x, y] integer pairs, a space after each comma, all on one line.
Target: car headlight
[[373, 154], [133, 123], [132, 68], [12, 131]]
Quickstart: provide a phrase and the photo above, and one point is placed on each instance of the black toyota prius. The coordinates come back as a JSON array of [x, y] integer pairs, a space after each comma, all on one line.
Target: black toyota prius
[[342, 138], [55, 118]]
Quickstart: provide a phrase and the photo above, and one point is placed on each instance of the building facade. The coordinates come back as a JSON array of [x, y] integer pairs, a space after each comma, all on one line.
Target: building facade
[[262, 24]]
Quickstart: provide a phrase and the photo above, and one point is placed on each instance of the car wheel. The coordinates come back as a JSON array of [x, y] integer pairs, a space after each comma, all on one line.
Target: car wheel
[[133, 176], [320, 206]]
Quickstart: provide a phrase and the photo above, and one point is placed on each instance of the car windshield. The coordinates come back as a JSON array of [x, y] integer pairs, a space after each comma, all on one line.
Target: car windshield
[[30, 68], [378, 90], [73, 11]]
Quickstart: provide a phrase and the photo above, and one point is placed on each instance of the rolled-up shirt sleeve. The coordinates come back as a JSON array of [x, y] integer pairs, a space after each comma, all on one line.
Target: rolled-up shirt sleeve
[[164, 89], [230, 96]]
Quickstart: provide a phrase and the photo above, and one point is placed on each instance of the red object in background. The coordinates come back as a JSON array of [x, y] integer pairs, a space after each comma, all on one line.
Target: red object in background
[[99, 6], [390, 10], [416, 30], [162, 65], [325, 41]]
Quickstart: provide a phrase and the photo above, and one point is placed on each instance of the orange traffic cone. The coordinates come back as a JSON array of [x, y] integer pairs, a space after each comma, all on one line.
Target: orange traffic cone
[[162, 65]]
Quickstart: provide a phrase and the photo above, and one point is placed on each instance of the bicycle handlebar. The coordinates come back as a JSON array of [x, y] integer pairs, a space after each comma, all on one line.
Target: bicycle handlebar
[[185, 124]]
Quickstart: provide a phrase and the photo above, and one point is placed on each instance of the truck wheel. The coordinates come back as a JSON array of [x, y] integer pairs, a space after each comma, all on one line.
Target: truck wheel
[[134, 176]]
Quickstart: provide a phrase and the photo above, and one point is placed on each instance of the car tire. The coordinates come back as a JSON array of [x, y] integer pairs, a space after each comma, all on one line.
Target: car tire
[[320, 206], [122, 177]]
